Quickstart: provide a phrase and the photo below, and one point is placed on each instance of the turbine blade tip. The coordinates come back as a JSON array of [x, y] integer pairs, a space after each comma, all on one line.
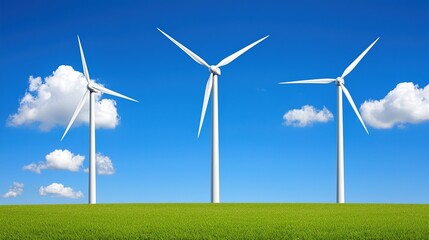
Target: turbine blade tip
[[159, 29], [376, 40]]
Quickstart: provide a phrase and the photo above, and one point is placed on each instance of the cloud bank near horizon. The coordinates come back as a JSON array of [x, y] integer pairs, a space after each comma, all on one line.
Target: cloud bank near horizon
[[59, 190], [15, 190]]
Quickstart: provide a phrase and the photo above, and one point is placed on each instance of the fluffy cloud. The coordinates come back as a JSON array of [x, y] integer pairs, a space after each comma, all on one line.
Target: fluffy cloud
[[104, 165], [52, 101], [306, 116], [66, 160], [407, 103], [58, 159], [15, 190], [58, 190]]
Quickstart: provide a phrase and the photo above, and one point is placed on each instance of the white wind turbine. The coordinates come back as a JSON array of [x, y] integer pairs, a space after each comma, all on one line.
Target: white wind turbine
[[339, 81], [213, 86], [92, 88]]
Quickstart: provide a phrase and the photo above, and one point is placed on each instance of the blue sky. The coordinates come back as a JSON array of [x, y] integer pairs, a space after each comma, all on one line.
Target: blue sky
[[154, 149]]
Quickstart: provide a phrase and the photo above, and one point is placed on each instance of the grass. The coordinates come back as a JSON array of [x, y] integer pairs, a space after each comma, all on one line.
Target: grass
[[215, 221]]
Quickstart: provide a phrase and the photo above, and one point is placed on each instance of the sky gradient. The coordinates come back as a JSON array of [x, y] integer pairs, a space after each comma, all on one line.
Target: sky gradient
[[277, 142]]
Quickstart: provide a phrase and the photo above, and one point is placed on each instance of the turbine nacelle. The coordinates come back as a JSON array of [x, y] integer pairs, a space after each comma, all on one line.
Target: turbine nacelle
[[215, 70], [91, 88], [339, 81]]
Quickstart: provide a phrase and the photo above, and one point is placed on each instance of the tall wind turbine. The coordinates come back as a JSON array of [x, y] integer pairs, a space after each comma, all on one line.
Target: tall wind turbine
[[92, 88], [212, 86], [339, 81]]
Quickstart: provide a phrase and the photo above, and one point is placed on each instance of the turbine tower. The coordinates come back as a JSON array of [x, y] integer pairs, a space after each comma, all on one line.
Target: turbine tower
[[212, 86], [339, 81], [92, 88]]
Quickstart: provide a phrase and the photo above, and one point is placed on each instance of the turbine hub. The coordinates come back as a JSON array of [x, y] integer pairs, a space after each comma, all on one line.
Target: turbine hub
[[339, 81], [215, 70], [91, 88]]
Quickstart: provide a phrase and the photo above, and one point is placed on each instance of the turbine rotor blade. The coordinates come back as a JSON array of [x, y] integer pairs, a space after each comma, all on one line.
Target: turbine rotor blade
[[82, 56], [186, 50], [312, 81], [110, 92], [206, 100], [76, 112], [349, 97], [235, 55], [357, 60]]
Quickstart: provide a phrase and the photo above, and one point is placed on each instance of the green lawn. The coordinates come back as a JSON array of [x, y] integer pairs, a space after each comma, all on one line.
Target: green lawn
[[215, 221]]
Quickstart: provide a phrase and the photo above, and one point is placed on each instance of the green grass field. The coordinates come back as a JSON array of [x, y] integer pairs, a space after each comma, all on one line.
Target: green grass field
[[215, 221]]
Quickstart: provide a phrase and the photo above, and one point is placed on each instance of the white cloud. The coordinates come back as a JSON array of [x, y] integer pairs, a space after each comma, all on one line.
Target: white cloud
[[66, 160], [51, 102], [58, 190], [15, 190], [306, 116], [58, 159], [104, 165], [407, 103]]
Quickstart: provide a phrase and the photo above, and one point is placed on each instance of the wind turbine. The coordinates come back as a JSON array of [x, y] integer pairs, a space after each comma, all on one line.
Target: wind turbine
[[212, 85], [92, 88], [339, 81]]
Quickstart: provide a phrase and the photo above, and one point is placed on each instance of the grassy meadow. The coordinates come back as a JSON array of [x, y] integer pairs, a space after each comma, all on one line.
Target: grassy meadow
[[215, 221]]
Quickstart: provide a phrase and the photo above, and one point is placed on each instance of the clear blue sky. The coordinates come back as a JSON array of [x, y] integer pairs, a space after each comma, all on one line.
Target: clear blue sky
[[154, 149]]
